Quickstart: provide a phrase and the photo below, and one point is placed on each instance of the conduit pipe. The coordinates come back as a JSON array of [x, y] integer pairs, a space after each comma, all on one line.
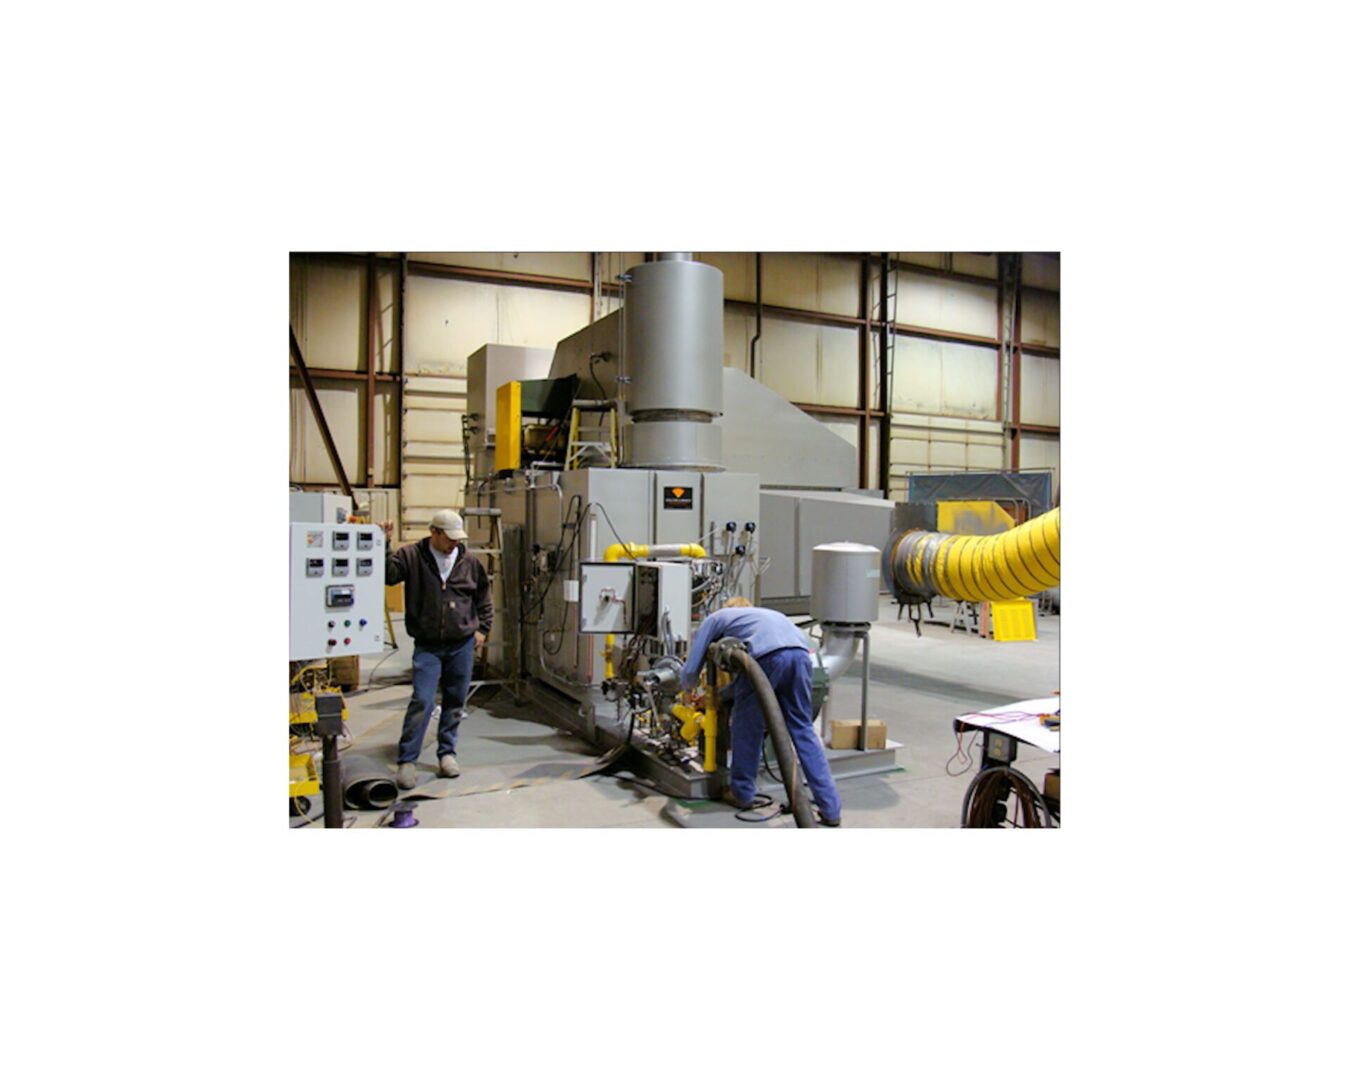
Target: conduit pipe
[[1017, 563], [838, 649], [618, 551]]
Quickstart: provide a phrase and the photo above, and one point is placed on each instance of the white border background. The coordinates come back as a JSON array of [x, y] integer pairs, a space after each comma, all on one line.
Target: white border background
[[162, 166]]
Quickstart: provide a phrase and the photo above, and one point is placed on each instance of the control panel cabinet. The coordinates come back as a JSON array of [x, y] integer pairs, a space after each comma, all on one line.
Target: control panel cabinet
[[337, 590]]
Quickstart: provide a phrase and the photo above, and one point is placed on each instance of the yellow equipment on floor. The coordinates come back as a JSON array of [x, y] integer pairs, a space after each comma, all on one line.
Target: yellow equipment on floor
[[1014, 620], [307, 684]]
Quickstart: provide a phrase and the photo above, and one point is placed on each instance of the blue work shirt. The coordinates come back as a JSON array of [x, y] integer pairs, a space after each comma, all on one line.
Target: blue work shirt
[[762, 630]]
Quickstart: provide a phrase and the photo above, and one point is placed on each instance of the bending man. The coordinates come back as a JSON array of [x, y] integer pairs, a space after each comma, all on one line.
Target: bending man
[[780, 649]]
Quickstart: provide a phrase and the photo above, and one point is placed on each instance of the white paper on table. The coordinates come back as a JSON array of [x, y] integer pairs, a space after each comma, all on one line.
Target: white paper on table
[[1027, 731]]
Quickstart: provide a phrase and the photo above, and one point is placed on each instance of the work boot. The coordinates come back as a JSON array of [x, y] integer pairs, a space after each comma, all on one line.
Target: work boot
[[449, 766], [829, 823], [407, 776], [731, 800]]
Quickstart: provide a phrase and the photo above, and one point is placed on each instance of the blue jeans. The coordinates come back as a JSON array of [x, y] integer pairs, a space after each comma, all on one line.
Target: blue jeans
[[789, 673], [450, 667]]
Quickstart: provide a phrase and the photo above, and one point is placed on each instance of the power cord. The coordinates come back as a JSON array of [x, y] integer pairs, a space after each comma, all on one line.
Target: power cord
[[962, 753], [761, 802], [983, 807]]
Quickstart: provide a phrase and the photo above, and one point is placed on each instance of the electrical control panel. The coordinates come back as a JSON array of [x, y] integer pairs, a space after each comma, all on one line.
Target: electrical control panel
[[320, 506], [606, 605], [661, 600], [337, 590]]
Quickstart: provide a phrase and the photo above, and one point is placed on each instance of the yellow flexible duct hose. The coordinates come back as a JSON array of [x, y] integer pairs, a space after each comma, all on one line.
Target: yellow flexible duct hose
[[1019, 562]]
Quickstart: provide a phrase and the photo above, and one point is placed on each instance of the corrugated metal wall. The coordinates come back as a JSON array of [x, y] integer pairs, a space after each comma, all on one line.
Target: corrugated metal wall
[[447, 321], [946, 373]]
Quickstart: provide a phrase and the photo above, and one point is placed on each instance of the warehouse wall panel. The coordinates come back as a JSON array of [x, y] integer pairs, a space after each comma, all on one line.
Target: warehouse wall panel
[[789, 351], [1040, 390], [944, 378], [1040, 318], [448, 320], [342, 404], [827, 283], [737, 333], [935, 259], [803, 362], [563, 264], [738, 272], [1040, 271], [328, 313], [386, 434], [432, 469], [1040, 452], [985, 266], [943, 304], [537, 317], [941, 444]]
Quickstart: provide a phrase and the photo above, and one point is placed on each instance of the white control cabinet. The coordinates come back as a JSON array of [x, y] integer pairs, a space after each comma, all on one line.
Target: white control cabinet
[[322, 506], [606, 605], [662, 598], [337, 590]]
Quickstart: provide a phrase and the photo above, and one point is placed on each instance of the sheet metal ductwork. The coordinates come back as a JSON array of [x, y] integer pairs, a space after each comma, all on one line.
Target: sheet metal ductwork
[[672, 358], [837, 651], [1020, 562]]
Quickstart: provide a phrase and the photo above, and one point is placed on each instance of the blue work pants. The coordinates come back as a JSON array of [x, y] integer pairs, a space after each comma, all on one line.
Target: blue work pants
[[789, 673], [451, 668]]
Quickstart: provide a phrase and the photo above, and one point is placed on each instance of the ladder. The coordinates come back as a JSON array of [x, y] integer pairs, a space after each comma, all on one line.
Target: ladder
[[494, 549], [595, 436]]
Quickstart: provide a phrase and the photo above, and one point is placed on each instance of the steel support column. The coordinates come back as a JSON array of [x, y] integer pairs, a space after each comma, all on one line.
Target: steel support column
[[596, 293], [1017, 365], [884, 379], [372, 348], [864, 377], [755, 343]]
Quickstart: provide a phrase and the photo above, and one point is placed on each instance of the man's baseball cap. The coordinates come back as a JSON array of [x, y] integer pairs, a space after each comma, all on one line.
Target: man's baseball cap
[[450, 523]]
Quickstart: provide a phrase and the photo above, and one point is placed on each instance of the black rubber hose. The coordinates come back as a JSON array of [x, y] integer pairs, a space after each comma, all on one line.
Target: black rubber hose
[[782, 741], [977, 808], [367, 784]]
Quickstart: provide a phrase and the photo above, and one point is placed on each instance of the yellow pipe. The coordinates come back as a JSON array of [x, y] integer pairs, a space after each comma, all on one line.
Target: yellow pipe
[[694, 721], [615, 552], [691, 720], [1017, 563]]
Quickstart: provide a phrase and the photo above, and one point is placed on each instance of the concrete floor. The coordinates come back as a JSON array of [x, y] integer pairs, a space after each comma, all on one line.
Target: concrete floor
[[918, 685]]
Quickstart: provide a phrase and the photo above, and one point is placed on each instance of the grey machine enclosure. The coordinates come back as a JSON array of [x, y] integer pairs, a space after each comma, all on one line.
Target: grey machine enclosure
[[672, 358]]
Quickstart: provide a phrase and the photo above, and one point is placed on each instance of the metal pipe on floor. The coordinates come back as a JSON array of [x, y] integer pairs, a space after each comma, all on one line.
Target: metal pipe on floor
[[332, 784]]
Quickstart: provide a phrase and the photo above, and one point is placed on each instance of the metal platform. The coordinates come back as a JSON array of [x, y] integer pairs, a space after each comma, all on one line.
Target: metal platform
[[578, 714]]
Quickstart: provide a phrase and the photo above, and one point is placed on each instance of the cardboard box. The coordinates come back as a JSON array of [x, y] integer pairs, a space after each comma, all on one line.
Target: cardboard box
[[844, 734], [347, 673]]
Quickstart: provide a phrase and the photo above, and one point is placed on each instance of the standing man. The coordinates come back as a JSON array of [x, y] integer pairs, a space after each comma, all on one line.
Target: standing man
[[448, 612], [781, 650]]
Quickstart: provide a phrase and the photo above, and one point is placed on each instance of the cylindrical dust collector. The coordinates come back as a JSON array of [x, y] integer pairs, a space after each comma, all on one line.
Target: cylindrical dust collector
[[673, 361], [845, 583]]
